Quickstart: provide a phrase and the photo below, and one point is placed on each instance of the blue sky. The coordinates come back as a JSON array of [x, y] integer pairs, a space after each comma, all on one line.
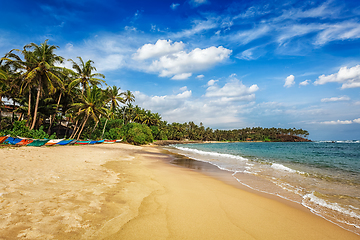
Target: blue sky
[[227, 64]]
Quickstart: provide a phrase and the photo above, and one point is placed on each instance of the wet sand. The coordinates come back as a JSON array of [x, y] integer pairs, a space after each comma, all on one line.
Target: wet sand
[[119, 191]]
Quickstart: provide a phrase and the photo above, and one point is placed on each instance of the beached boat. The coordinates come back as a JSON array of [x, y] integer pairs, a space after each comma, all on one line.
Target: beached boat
[[65, 142], [38, 143], [109, 141], [72, 142], [3, 138], [118, 140], [82, 142], [12, 140], [53, 142], [96, 141], [24, 141]]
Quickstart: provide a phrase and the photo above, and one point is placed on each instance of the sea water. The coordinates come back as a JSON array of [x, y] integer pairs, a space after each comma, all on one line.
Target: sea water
[[322, 176]]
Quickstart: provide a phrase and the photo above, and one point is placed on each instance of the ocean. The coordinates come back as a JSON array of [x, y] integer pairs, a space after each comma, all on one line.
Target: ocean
[[323, 176]]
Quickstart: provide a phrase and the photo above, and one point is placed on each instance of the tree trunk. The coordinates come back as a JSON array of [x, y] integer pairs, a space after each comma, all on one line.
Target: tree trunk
[[53, 117], [29, 109], [82, 127], [75, 129], [104, 129], [13, 112], [36, 106], [97, 122]]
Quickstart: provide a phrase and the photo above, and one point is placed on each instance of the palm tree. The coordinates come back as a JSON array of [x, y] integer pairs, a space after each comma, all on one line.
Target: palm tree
[[91, 105], [128, 97], [84, 75], [39, 69], [114, 97]]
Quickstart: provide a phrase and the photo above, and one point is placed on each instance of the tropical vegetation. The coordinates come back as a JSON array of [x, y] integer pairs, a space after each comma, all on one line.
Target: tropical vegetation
[[49, 100]]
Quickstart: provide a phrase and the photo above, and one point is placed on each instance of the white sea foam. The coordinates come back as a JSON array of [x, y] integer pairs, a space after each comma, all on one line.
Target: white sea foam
[[333, 206], [215, 154], [278, 166]]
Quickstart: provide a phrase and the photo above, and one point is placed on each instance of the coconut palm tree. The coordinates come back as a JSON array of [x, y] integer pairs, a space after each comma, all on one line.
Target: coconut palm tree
[[84, 76], [39, 69], [91, 105], [128, 97]]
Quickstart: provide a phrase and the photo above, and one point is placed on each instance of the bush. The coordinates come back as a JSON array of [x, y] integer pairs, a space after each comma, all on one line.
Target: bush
[[20, 129], [137, 133]]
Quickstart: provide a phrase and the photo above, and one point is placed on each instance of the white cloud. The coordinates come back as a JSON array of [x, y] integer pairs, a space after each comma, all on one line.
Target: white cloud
[[196, 3], [304, 83], [181, 65], [338, 31], [349, 77], [356, 120], [211, 82], [244, 37], [184, 88], [174, 6], [289, 81], [181, 76], [200, 76], [160, 48], [234, 90], [337, 122], [335, 99]]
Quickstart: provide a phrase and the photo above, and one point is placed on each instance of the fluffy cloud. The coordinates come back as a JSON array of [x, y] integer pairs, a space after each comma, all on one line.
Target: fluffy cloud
[[181, 65], [289, 81], [349, 77], [160, 48], [335, 99], [357, 120], [196, 3], [183, 108], [174, 6], [234, 90], [200, 76], [304, 83], [337, 122]]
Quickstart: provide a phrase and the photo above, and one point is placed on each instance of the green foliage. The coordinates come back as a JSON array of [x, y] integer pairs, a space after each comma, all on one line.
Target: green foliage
[[137, 133], [20, 129]]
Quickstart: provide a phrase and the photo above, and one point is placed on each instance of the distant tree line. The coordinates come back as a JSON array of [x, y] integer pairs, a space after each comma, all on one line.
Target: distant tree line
[[54, 101]]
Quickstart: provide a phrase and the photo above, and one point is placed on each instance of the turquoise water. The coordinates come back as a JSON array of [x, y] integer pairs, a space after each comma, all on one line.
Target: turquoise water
[[322, 176]]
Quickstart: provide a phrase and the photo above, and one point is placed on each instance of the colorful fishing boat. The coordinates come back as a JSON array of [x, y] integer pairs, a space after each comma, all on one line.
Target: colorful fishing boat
[[109, 141], [96, 141], [38, 143], [72, 142], [12, 140], [53, 142], [118, 140], [65, 142], [82, 142], [25, 141], [2, 139]]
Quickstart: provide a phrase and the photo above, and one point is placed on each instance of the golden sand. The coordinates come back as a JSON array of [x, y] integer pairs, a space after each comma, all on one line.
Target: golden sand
[[119, 191]]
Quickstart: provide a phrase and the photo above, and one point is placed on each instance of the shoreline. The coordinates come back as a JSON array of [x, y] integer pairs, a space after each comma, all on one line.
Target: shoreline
[[122, 191]]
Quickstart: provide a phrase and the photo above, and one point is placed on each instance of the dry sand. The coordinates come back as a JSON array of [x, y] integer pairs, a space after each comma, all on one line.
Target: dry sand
[[120, 191]]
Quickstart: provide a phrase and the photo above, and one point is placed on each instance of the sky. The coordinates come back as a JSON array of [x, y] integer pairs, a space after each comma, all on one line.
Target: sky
[[227, 64]]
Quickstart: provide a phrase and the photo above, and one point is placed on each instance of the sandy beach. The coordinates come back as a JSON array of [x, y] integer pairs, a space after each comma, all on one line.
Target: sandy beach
[[120, 191]]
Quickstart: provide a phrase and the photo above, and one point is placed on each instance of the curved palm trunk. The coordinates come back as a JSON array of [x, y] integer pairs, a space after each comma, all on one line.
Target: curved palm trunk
[[75, 129], [36, 106], [104, 129], [82, 127], [0, 111], [53, 116], [97, 122], [29, 109]]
